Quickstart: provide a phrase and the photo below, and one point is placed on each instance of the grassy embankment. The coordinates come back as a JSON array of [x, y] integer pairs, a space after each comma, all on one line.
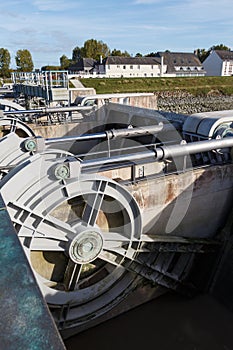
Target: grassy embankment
[[198, 86]]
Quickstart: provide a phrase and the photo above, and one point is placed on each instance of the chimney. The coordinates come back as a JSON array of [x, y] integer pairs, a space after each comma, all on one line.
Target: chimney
[[161, 67]]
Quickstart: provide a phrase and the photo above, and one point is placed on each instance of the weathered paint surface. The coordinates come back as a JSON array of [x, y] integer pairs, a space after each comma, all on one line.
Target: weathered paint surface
[[191, 204], [25, 319]]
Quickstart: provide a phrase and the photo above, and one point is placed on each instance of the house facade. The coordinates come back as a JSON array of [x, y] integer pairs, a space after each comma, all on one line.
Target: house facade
[[132, 67], [163, 64], [219, 63], [180, 64]]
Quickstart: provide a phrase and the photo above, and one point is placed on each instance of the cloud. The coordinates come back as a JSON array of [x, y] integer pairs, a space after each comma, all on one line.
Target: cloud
[[203, 10], [9, 4], [141, 2], [53, 5], [50, 28]]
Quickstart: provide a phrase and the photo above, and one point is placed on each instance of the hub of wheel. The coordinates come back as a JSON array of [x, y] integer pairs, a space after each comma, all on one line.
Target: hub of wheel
[[86, 246]]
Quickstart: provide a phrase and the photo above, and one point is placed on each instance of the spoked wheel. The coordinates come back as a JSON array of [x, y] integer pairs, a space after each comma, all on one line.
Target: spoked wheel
[[12, 124], [76, 233]]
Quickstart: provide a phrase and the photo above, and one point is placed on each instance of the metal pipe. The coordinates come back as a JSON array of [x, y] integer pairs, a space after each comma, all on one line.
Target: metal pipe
[[162, 152], [114, 133], [138, 131], [47, 110], [84, 137], [128, 158], [166, 152]]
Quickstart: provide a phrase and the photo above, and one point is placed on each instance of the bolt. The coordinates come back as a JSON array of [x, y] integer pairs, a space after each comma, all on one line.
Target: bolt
[[86, 247], [62, 172], [30, 145]]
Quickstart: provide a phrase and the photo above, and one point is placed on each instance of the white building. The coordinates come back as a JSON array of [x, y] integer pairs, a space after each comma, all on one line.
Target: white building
[[180, 64], [219, 63], [163, 64], [166, 64], [129, 67]]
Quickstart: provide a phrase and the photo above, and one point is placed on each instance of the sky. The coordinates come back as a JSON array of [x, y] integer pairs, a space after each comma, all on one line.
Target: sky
[[52, 28]]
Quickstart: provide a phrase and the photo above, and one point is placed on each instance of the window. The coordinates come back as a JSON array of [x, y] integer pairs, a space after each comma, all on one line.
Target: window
[[138, 67], [131, 67], [152, 67], [124, 67]]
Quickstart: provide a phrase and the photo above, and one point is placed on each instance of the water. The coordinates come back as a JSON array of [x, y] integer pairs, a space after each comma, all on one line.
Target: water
[[170, 322]]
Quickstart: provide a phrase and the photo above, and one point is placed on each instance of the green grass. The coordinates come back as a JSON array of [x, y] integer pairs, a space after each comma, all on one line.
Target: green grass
[[196, 85]]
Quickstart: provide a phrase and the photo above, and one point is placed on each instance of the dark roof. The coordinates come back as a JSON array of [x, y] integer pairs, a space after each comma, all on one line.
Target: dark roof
[[180, 59], [88, 62], [132, 60], [83, 64], [225, 54]]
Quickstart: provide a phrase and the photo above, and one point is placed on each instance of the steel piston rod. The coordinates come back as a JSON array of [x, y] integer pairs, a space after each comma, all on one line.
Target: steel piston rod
[[161, 152], [114, 133], [166, 152]]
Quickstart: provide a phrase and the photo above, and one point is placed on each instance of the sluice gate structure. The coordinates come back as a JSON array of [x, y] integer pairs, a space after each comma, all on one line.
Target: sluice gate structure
[[54, 88], [48, 85], [120, 207]]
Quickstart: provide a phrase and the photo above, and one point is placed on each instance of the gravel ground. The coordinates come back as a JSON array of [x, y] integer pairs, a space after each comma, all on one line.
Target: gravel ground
[[180, 102]]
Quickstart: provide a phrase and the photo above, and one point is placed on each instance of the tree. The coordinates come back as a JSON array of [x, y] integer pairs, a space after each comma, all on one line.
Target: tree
[[45, 68], [116, 52], [24, 61], [5, 60], [138, 54], [220, 47], [77, 54], [126, 54], [91, 49], [202, 54], [64, 62], [95, 49], [152, 54]]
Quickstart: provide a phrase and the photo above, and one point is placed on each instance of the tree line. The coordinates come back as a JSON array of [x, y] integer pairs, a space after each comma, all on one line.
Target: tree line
[[23, 60], [91, 49]]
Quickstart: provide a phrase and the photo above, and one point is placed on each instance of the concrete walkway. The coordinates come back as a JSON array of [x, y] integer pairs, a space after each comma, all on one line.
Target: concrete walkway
[[77, 83]]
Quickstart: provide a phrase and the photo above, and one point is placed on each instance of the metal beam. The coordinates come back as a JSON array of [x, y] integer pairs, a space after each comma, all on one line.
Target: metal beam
[[25, 319]]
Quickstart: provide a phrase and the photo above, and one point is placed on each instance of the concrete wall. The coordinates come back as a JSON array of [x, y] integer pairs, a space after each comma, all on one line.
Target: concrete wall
[[140, 101], [75, 92]]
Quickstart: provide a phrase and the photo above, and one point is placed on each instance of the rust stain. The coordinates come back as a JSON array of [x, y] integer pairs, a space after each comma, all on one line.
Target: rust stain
[[140, 198], [212, 176], [170, 195]]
